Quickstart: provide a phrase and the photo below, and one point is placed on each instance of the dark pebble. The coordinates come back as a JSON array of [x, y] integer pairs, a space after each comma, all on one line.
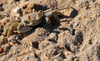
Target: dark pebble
[[35, 44]]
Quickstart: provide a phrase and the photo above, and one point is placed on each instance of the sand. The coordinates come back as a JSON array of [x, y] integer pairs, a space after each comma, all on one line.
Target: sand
[[76, 37]]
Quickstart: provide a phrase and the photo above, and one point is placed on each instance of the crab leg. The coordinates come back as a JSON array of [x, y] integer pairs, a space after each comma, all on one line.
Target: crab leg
[[6, 30], [55, 9], [55, 16], [52, 14], [12, 27], [22, 29], [47, 20]]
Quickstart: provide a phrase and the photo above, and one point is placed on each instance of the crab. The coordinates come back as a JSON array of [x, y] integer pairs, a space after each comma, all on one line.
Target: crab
[[31, 20]]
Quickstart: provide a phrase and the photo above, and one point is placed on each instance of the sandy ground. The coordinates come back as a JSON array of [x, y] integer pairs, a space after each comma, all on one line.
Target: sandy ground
[[75, 38]]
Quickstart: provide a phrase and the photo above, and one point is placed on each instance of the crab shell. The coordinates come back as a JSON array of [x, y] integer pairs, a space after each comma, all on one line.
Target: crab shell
[[35, 18]]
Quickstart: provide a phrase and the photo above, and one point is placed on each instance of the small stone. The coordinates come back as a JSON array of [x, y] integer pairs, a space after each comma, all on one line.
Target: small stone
[[53, 37], [31, 48], [89, 17], [72, 31], [17, 18], [71, 26], [76, 24], [1, 50], [16, 10], [35, 44]]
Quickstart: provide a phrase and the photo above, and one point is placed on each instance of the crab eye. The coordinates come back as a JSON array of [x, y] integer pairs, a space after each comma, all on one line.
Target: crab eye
[[28, 18], [38, 16]]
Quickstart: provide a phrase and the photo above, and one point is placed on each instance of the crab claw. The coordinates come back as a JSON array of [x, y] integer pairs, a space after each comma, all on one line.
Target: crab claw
[[12, 27], [22, 29]]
